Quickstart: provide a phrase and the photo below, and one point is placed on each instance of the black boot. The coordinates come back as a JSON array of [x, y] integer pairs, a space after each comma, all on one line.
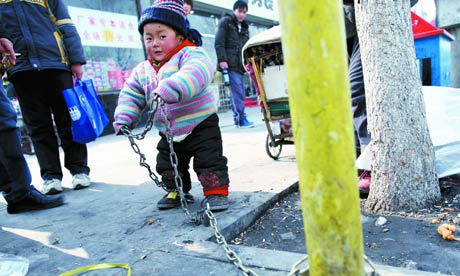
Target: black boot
[[34, 201]]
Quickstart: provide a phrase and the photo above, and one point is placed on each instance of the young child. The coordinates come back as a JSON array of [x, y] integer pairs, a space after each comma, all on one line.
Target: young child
[[178, 72]]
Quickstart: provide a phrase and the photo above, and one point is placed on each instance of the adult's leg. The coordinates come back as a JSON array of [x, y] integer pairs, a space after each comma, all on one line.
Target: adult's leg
[[15, 176], [32, 91], [238, 95], [75, 154], [358, 96]]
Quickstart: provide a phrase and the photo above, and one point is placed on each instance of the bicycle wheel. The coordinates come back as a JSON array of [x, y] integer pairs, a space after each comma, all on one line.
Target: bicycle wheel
[[273, 151]]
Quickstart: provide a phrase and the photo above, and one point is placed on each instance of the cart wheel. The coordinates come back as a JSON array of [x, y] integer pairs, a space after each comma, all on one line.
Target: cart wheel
[[272, 150]]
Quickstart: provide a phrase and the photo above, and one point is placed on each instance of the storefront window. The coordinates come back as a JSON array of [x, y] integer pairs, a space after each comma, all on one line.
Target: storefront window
[[112, 44]]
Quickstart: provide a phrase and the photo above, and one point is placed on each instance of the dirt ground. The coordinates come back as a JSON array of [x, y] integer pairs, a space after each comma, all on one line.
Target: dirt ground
[[407, 240]]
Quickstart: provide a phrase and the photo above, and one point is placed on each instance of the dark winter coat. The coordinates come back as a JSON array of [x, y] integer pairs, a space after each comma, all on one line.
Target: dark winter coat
[[229, 42], [28, 25]]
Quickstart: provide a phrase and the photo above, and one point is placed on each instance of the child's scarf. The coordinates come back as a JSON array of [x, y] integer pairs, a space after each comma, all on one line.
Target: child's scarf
[[157, 65]]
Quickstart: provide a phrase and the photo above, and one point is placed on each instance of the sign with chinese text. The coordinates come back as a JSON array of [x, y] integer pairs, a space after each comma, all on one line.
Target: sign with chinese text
[[106, 29], [267, 9]]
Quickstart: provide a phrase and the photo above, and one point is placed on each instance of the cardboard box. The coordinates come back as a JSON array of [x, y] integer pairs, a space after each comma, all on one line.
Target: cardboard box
[[275, 82]]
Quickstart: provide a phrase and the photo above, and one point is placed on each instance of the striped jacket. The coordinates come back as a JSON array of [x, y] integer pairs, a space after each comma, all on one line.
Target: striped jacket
[[183, 82]]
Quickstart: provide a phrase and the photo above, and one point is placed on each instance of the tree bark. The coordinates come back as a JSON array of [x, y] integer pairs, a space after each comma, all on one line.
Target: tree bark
[[403, 162]]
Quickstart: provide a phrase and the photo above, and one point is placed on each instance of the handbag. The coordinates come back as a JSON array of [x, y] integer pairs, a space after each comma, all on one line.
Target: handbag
[[85, 109]]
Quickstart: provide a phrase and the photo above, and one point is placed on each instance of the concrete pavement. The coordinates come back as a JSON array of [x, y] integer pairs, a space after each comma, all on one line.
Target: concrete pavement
[[116, 219]]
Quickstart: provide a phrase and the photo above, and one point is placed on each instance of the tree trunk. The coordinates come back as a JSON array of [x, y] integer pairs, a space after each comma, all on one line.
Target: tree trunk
[[403, 163]]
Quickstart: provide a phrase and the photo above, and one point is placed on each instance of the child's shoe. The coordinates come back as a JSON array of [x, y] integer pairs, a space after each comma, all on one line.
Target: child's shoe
[[172, 200], [217, 202]]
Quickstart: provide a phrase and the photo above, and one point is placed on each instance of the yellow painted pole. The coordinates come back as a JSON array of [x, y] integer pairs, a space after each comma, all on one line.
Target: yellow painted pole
[[313, 38]]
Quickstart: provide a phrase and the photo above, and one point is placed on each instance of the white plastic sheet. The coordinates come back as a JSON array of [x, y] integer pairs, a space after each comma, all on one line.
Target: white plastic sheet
[[442, 105], [12, 265]]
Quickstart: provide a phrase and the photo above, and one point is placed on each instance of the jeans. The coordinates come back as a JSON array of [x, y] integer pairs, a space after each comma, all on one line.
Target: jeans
[[358, 97], [238, 94], [15, 176], [42, 103]]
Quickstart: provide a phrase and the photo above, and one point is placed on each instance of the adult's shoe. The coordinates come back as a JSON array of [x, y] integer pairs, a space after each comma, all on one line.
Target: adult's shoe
[[80, 181], [246, 123], [364, 184], [52, 186], [34, 200]]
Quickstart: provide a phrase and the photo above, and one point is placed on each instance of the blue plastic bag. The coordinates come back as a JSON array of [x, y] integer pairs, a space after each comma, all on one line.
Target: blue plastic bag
[[88, 115]]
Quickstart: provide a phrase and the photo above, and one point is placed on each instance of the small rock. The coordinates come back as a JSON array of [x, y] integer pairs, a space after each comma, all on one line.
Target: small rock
[[380, 221], [385, 230], [287, 236], [409, 264]]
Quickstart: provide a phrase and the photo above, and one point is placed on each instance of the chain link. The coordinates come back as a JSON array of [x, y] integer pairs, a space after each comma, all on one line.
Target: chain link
[[205, 214], [139, 136], [231, 255], [174, 164]]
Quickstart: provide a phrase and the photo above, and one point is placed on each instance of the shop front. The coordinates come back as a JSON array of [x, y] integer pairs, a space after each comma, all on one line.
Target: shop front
[[113, 46]]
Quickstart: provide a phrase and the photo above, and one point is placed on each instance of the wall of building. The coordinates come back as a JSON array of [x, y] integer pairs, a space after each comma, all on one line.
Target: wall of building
[[448, 17]]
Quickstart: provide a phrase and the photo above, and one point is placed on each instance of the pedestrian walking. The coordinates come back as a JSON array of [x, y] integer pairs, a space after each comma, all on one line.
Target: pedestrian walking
[[232, 33], [15, 176], [180, 73], [51, 58]]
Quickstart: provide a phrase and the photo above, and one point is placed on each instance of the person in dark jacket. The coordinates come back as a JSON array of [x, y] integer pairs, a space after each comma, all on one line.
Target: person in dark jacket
[[232, 33], [50, 59], [15, 176]]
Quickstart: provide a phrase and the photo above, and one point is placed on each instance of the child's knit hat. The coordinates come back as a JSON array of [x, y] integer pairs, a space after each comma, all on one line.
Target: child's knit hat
[[169, 12]]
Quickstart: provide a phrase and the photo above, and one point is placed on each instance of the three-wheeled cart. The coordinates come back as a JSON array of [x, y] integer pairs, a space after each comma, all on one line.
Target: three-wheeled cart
[[263, 60]]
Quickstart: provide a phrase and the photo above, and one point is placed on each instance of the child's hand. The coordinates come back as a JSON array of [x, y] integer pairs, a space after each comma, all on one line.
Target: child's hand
[[121, 128]]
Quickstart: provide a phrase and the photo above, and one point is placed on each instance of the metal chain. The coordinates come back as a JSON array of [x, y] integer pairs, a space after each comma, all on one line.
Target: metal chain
[[158, 102], [174, 164], [148, 126], [200, 217], [296, 271], [231, 255]]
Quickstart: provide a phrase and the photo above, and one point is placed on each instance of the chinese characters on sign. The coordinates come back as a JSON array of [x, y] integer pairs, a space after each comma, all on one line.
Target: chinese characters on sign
[[268, 4], [106, 29]]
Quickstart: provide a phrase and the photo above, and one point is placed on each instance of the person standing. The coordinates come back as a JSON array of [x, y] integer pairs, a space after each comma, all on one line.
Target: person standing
[[232, 33], [188, 6], [51, 58], [196, 36], [180, 73], [15, 176], [358, 91]]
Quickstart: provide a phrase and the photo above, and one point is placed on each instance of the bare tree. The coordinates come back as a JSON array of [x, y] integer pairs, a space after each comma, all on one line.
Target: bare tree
[[403, 163]]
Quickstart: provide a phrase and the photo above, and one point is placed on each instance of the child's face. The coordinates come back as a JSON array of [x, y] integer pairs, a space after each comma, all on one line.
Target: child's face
[[160, 40]]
